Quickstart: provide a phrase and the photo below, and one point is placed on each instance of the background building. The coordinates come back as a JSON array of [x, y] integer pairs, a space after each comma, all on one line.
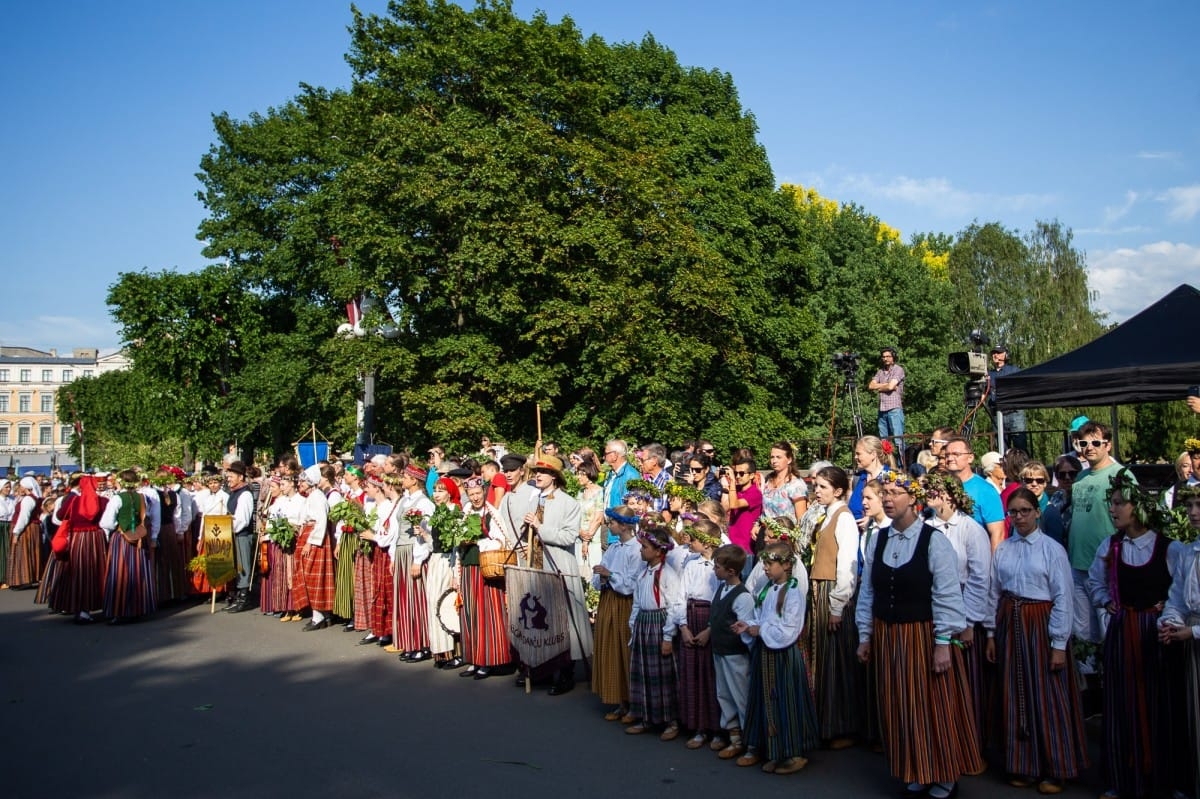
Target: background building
[[31, 437]]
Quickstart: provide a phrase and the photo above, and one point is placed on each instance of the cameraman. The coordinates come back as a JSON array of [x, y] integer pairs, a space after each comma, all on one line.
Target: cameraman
[[1015, 436], [889, 383]]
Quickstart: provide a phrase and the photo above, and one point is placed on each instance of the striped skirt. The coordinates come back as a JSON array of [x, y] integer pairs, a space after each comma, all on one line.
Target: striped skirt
[[1191, 710], [314, 572], [170, 567], [653, 684], [275, 595], [437, 579], [410, 626], [343, 595], [698, 708], [25, 558], [1041, 714], [80, 585], [927, 721], [1142, 753], [781, 721], [382, 610], [5, 542], [128, 580], [52, 576], [838, 694], [482, 618], [610, 666], [980, 681], [364, 588]]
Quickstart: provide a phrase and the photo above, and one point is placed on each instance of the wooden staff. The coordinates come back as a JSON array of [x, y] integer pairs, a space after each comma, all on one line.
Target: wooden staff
[[213, 607]]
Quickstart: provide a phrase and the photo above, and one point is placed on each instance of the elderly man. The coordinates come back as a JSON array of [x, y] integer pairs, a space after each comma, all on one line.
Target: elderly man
[[553, 516], [653, 461]]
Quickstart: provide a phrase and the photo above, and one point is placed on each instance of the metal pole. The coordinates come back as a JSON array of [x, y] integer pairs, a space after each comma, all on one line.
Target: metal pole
[[366, 432], [1116, 443], [1000, 431]]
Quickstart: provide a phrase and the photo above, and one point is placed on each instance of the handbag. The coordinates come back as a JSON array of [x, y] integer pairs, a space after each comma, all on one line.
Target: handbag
[[60, 544], [139, 529]]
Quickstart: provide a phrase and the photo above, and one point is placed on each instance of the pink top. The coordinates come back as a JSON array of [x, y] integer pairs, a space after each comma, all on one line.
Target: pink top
[[742, 520]]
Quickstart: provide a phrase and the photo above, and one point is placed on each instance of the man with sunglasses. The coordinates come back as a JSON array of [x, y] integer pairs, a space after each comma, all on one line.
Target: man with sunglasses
[[1090, 523]]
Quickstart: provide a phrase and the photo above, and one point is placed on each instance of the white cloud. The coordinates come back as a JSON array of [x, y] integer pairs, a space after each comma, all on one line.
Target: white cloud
[[1158, 155], [1184, 202], [1126, 280], [935, 194], [1112, 214]]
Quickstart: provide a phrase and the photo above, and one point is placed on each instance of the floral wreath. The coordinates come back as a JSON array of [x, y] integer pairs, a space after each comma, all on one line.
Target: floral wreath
[[1146, 508], [905, 481], [769, 556], [616, 517], [949, 484], [643, 489], [703, 538], [656, 535], [685, 492], [776, 529], [1192, 445]]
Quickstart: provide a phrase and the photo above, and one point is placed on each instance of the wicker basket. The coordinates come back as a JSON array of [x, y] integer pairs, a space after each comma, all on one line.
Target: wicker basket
[[492, 563]]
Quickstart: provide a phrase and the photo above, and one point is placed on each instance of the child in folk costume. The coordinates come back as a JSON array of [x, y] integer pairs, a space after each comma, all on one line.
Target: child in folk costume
[[699, 710], [1179, 627], [1131, 576], [780, 720], [615, 578], [731, 604], [657, 612]]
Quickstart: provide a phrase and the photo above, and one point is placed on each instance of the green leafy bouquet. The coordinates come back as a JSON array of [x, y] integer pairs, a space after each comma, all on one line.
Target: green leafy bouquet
[[454, 528], [282, 532], [354, 519]]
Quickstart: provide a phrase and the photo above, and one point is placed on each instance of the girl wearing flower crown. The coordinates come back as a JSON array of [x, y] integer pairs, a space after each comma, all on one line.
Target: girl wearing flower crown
[[657, 612]]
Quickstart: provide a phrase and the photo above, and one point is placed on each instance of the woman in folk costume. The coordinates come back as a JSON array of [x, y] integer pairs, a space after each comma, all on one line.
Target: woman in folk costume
[[910, 607], [346, 553], [386, 493], [832, 636], [211, 500], [1179, 628], [129, 573], [53, 566], [370, 494], [314, 552], [79, 589], [410, 628], [952, 506], [276, 596], [698, 707], [615, 578], [554, 517], [483, 614], [342, 562], [657, 612], [25, 548], [439, 563], [8, 503], [1145, 748], [170, 566], [1042, 724]]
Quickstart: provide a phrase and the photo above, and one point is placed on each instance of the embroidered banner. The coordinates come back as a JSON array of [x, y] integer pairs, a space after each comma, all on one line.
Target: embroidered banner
[[539, 624], [218, 550]]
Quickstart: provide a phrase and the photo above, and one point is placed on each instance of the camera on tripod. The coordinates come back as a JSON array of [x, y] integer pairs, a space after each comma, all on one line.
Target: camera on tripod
[[845, 362], [973, 364]]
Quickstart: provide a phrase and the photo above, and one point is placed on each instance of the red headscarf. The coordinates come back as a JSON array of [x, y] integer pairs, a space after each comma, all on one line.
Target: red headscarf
[[451, 489], [89, 500]]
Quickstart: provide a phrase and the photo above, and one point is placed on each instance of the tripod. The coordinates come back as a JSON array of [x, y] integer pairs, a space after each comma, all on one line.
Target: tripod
[[850, 385]]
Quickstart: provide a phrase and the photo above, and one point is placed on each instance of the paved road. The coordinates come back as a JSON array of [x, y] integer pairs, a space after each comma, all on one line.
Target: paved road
[[227, 706]]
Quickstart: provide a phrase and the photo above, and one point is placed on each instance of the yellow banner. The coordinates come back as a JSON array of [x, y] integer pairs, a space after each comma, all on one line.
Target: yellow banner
[[218, 550]]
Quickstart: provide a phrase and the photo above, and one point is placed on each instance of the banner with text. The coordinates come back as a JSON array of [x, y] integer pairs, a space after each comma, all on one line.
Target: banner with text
[[539, 623]]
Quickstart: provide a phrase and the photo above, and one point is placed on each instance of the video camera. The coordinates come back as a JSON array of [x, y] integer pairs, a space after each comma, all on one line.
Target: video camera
[[845, 362]]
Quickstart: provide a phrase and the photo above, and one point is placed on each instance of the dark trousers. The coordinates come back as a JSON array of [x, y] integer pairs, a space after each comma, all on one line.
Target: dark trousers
[[243, 546]]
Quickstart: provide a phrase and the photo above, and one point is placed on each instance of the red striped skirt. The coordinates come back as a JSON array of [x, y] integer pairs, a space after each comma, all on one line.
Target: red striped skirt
[[482, 618], [698, 707], [410, 628], [275, 596], [25, 557], [1041, 715], [314, 571], [52, 575], [80, 587], [364, 588], [610, 671], [381, 598], [927, 720], [129, 580], [170, 567]]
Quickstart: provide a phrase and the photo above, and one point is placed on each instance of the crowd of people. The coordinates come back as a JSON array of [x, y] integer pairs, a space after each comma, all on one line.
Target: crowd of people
[[928, 612]]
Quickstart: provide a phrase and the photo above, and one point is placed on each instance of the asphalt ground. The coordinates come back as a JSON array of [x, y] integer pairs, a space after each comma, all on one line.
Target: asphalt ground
[[188, 704]]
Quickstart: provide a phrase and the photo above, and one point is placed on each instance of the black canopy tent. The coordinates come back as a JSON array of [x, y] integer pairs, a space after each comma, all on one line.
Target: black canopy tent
[[1151, 357]]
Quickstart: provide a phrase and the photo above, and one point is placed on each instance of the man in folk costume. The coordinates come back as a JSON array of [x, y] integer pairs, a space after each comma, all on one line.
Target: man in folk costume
[[314, 550], [240, 505], [129, 578], [553, 517], [170, 565], [515, 502]]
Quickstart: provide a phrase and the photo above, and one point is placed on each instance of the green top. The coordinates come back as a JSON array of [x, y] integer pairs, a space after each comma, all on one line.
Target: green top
[[130, 512], [1090, 522]]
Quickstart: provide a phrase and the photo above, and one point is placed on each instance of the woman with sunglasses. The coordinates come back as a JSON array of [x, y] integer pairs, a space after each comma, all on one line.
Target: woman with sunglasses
[[1131, 578], [1036, 477], [1066, 469], [1029, 637]]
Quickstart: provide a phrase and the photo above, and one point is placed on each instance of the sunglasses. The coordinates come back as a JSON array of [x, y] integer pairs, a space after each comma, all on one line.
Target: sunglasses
[[1095, 443], [1066, 474], [708, 451], [1036, 481], [740, 473]]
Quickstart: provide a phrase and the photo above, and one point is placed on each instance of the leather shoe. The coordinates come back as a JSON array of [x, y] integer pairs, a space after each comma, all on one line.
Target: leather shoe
[[482, 673], [468, 672], [368, 639], [453, 664], [751, 758], [315, 625], [562, 687], [348, 627], [791, 765], [417, 657], [384, 641]]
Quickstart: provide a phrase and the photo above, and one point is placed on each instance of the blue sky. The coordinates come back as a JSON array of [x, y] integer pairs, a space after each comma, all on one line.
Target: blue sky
[[929, 115]]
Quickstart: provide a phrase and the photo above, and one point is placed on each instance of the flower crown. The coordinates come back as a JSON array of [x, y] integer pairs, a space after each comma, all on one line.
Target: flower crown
[[770, 556], [616, 517], [951, 485], [1192, 445], [1146, 508], [685, 492], [702, 537], [776, 529], [656, 535], [905, 481], [642, 489]]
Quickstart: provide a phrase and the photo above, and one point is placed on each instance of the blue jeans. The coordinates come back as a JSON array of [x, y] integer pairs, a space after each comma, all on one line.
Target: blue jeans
[[891, 425]]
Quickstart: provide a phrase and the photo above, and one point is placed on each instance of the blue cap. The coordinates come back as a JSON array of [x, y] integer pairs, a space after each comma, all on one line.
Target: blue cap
[[1078, 422]]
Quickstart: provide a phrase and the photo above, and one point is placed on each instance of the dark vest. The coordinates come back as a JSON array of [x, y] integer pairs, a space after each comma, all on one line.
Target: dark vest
[[166, 507], [904, 594], [720, 616], [1142, 587], [231, 507]]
